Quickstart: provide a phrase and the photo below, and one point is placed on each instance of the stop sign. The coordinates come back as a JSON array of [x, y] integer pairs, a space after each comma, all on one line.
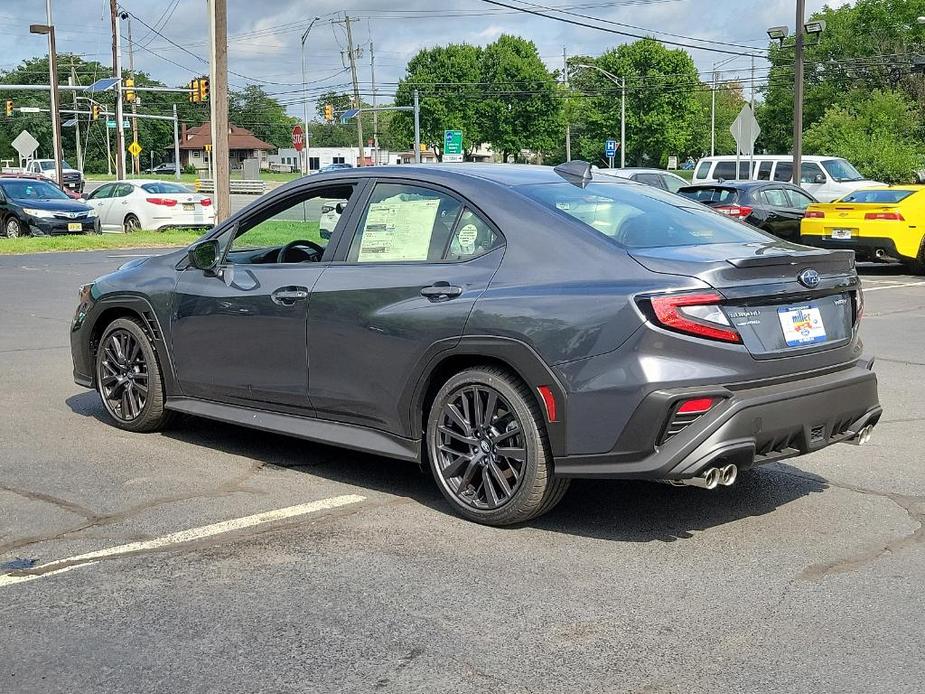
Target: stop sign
[[298, 138]]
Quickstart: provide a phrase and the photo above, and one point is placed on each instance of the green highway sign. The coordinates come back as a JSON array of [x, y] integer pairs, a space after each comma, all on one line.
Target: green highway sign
[[452, 146], [111, 124]]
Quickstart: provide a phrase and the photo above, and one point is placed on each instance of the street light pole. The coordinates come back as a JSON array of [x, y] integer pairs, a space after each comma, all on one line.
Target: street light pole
[[305, 166], [798, 94], [49, 30], [620, 82]]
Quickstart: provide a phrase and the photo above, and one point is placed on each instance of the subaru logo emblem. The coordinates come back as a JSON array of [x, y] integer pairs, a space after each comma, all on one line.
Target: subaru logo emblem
[[809, 278]]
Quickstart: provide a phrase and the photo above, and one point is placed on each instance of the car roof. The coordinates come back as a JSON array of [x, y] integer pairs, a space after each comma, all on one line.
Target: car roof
[[505, 174], [741, 185], [769, 157]]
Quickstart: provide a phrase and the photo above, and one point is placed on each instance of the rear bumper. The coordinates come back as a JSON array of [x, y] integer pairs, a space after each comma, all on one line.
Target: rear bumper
[[751, 426], [864, 247]]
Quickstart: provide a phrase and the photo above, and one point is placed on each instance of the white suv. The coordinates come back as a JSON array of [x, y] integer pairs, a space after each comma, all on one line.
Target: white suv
[[825, 178], [73, 179]]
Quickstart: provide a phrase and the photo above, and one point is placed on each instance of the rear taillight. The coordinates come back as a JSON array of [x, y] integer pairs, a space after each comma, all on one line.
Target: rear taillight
[[738, 211], [858, 305], [815, 214], [696, 406], [166, 202], [694, 314], [889, 216], [206, 202]]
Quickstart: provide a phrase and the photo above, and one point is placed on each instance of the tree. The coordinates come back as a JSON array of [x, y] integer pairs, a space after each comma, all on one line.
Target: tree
[[521, 106], [254, 109], [729, 102], [446, 78], [662, 111], [877, 132]]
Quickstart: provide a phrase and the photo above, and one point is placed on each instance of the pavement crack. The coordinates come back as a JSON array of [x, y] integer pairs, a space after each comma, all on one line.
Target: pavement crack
[[63, 504], [903, 362], [914, 506]]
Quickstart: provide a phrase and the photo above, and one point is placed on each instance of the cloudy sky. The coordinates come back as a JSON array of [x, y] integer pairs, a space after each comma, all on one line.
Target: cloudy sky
[[265, 34]]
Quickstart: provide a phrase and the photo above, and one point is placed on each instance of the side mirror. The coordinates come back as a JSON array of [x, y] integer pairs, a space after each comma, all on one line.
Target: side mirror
[[340, 207], [204, 255], [819, 179], [84, 196]]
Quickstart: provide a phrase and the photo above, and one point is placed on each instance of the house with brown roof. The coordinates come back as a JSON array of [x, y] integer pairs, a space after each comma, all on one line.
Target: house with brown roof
[[196, 145]]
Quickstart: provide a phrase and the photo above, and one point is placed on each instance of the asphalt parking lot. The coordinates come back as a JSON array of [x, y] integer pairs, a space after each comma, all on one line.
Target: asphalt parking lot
[[211, 558]]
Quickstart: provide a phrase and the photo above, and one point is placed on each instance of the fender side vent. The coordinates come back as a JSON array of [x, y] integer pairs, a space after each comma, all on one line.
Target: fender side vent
[[151, 322]]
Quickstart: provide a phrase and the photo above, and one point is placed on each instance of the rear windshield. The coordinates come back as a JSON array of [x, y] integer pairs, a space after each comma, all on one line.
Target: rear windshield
[[165, 188], [637, 217], [711, 194], [878, 196]]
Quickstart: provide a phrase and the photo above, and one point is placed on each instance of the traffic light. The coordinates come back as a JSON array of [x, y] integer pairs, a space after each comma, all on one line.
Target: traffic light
[[329, 112], [9, 108], [95, 111], [129, 90], [194, 91], [203, 88]]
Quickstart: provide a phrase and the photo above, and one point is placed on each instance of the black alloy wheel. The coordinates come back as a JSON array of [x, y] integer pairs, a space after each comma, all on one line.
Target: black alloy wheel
[[482, 453], [487, 448], [131, 224], [123, 375], [128, 377]]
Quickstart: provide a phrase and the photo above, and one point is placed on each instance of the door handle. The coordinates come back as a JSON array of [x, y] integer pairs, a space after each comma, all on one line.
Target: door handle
[[287, 296], [441, 291]]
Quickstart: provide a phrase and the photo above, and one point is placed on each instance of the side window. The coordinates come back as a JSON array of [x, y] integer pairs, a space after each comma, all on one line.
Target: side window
[[472, 238], [775, 197], [809, 171], [120, 190], [798, 199], [404, 223], [649, 179], [310, 219], [703, 170], [783, 171], [672, 183], [102, 192], [764, 171], [725, 170]]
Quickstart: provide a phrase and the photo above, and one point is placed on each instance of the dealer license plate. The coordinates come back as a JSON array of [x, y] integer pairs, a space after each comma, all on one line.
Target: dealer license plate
[[841, 233], [75, 226], [802, 325]]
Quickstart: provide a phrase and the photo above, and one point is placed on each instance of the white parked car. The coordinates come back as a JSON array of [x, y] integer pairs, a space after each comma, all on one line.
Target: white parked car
[[73, 179], [825, 178], [150, 204], [653, 177]]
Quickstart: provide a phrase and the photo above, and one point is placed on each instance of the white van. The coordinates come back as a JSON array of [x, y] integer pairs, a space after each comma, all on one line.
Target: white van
[[825, 178]]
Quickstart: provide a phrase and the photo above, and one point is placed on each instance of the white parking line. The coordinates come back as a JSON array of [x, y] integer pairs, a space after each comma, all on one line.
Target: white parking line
[[894, 286], [182, 537]]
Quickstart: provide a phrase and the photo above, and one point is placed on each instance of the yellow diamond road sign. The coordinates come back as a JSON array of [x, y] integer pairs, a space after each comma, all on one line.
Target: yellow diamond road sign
[[134, 149]]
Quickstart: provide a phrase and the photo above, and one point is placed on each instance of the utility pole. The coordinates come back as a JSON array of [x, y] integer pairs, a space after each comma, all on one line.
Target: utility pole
[[372, 77], [713, 115], [72, 81], [568, 126], [417, 127], [117, 73], [218, 78], [623, 122], [176, 144], [306, 161], [136, 164], [798, 94], [356, 86]]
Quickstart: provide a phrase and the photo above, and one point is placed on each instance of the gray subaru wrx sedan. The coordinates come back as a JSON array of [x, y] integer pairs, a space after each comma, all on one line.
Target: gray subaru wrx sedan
[[510, 327]]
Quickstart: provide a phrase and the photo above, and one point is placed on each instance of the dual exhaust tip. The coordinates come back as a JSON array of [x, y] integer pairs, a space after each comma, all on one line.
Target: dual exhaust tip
[[711, 478]]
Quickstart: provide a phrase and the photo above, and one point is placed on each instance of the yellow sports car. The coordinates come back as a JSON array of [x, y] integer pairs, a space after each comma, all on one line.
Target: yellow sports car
[[878, 223]]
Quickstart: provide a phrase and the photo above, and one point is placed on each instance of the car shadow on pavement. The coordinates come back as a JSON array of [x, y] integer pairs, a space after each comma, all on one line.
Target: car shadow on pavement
[[623, 511]]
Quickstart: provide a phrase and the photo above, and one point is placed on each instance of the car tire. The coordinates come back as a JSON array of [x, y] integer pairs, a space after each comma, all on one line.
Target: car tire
[[131, 224], [13, 228], [129, 379], [917, 266], [472, 413]]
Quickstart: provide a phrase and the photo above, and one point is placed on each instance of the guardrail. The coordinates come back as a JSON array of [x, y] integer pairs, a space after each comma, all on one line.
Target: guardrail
[[207, 185]]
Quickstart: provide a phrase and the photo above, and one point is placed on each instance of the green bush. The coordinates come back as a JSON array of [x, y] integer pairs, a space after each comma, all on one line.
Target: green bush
[[876, 131], [190, 169]]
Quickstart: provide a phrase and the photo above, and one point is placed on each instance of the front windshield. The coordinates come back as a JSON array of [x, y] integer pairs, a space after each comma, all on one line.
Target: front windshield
[[841, 170], [637, 217], [47, 165], [32, 190]]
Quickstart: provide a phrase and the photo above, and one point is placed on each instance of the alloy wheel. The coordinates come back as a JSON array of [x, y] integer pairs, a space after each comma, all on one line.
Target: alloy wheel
[[12, 228], [480, 446], [131, 224], [123, 375]]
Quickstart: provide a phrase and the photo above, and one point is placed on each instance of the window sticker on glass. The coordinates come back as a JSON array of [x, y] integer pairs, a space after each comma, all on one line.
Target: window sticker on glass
[[467, 237], [398, 229]]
